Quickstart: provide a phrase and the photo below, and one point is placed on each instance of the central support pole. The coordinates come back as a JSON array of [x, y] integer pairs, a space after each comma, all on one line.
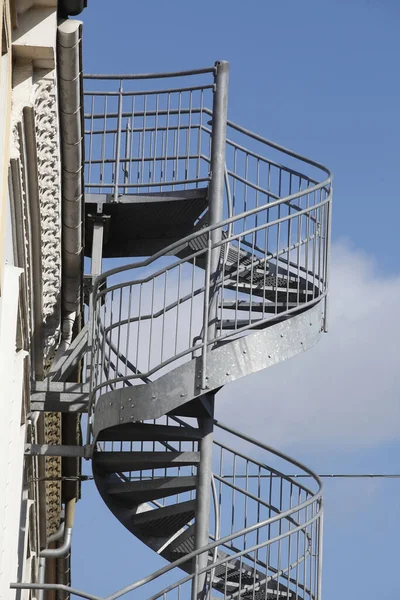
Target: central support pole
[[215, 203]]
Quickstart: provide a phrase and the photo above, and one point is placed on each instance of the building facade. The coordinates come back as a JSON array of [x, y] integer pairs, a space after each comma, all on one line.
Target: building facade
[[40, 273]]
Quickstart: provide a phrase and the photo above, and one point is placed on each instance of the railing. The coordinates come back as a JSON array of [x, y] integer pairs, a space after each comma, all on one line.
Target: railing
[[269, 511], [274, 234], [161, 316], [272, 244], [144, 140]]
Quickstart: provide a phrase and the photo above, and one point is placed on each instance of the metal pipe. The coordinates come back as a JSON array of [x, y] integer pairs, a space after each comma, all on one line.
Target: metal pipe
[[69, 41], [216, 199], [204, 475], [41, 576], [66, 545], [54, 537], [153, 75]]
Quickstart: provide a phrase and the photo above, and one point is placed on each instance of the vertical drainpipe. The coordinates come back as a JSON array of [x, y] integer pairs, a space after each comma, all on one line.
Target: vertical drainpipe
[[215, 199], [70, 102], [70, 94]]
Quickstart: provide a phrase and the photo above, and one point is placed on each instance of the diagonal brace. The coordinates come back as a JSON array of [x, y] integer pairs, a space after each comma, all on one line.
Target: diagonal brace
[[72, 356]]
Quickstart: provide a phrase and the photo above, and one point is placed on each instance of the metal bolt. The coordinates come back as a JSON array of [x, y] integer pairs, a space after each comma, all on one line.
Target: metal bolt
[[227, 373], [131, 417], [111, 403], [244, 352], [121, 419], [281, 334], [269, 356], [183, 395]]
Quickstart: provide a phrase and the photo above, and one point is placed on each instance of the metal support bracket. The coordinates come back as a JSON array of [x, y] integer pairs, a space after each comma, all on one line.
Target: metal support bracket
[[72, 356], [64, 397], [56, 450]]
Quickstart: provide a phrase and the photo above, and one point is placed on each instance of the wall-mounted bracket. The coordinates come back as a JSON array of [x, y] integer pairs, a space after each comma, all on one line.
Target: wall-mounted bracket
[[56, 450], [71, 357], [64, 397]]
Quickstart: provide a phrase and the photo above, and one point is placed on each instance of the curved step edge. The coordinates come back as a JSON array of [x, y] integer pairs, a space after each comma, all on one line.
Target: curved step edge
[[231, 361]]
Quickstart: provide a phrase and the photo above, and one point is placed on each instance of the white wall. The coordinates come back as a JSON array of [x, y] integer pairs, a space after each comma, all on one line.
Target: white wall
[[12, 433]]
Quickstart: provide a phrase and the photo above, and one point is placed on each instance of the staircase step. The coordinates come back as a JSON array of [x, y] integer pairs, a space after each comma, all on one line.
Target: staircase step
[[184, 544], [144, 223], [258, 307], [117, 462], [272, 294], [271, 593], [258, 287], [180, 546], [165, 521], [148, 432], [150, 489], [231, 324]]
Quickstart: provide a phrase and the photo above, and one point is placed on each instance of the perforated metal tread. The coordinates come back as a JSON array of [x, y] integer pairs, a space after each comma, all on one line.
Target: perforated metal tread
[[127, 432], [137, 492], [117, 462], [165, 521], [142, 224]]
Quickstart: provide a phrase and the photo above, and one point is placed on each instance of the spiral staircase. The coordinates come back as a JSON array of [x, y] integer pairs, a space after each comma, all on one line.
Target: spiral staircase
[[221, 241]]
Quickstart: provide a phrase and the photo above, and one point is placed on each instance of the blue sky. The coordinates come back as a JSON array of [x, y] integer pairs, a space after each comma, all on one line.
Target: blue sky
[[320, 77]]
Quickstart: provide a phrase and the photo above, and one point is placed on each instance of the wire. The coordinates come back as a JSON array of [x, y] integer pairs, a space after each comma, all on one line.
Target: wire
[[324, 476], [293, 476]]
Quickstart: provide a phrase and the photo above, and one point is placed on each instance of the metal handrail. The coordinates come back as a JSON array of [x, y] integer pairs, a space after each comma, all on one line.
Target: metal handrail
[[98, 295], [168, 250], [167, 75]]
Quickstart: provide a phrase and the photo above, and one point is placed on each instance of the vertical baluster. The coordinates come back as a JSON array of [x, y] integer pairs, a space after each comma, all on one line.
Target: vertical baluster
[[155, 140], [138, 325], [103, 142], [118, 143], [151, 323], [166, 137], [188, 131], [143, 152], [178, 136], [178, 294], [91, 141]]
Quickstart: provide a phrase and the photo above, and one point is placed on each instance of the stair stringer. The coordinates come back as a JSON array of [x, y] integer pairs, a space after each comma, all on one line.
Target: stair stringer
[[226, 363]]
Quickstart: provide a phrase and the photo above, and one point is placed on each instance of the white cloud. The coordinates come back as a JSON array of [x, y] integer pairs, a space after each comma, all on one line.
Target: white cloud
[[347, 388]]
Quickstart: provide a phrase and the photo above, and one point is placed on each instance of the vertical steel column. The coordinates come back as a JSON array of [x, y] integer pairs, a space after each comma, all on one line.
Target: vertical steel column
[[215, 201], [95, 271], [97, 246]]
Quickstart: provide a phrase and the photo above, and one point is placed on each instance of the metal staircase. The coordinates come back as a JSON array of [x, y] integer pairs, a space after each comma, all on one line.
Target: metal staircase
[[228, 242], [222, 240]]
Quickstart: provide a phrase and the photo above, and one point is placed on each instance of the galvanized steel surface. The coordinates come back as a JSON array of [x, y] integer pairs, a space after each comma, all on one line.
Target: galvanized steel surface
[[188, 316]]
